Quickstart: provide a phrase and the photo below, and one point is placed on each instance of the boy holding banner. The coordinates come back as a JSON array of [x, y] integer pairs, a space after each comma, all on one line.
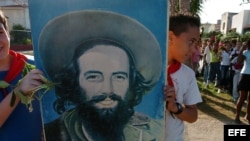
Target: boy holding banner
[[181, 93]]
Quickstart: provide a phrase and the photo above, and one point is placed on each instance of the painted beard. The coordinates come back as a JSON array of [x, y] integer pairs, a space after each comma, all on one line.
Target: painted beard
[[105, 124]]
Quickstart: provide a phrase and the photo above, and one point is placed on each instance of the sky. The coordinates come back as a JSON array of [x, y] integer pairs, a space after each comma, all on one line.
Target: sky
[[213, 9]]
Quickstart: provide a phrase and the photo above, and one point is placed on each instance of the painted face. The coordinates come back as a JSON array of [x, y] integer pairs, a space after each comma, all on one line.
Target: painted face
[[4, 42], [104, 70], [180, 47]]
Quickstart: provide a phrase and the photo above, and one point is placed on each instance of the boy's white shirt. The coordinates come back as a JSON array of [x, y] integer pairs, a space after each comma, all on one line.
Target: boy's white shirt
[[187, 93]]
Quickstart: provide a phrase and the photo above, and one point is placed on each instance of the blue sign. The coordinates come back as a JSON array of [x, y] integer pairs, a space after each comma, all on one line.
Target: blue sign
[[107, 58]]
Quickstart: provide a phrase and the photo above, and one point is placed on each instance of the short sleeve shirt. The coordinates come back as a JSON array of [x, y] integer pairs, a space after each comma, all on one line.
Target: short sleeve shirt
[[246, 66], [187, 92]]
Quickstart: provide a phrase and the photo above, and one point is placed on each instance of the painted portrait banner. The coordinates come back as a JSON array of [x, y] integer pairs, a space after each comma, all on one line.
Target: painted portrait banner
[[106, 59]]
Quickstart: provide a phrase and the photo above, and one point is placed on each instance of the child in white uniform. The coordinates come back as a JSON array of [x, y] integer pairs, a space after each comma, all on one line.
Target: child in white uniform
[[181, 92]]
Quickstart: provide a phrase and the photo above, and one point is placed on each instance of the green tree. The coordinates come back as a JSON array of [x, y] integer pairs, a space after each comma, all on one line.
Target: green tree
[[193, 7], [245, 37], [19, 35], [196, 7]]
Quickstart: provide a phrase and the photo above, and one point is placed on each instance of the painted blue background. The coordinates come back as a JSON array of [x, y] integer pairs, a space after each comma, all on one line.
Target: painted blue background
[[151, 13]]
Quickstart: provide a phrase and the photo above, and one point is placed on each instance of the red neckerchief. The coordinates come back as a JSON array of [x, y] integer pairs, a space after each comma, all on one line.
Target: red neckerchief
[[172, 69], [16, 67]]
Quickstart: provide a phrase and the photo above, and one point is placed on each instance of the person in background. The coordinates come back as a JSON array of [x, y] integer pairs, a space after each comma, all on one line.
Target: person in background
[[224, 67], [203, 46], [201, 64], [221, 43], [181, 92], [214, 66], [233, 47], [17, 123], [244, 89], [196, 58], [233, 53], [236, 68], [206, 61]]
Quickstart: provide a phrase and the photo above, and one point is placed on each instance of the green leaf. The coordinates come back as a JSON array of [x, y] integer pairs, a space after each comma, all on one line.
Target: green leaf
[[27, 99], [13, 99], [4, 84], [23, 98]]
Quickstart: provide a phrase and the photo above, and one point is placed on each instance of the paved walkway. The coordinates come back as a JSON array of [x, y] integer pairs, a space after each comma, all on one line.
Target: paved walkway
[[206, 128]]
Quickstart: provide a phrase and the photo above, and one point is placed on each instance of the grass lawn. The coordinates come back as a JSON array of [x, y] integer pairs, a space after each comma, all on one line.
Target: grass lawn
[[217, 105]]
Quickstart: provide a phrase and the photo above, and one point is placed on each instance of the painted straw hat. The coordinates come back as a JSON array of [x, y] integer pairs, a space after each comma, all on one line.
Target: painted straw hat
[[63, 34]]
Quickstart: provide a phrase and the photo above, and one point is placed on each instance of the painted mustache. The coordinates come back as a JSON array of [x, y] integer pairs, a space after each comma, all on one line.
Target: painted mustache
[[102, 97]]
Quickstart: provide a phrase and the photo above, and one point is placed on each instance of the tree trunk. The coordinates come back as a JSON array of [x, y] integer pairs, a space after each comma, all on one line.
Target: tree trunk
[[192, 7], [184, 6], [173, 6]]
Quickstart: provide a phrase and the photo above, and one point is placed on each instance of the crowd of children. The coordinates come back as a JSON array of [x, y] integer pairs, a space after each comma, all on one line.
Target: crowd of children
[[220, 66]]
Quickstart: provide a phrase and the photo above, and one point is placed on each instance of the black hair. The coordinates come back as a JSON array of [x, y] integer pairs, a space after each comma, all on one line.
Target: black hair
[[180, 23]]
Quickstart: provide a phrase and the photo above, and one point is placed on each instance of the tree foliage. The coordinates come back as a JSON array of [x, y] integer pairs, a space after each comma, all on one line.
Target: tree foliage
[[19, 35], [245, 37], [196, 7], [192, 7]]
